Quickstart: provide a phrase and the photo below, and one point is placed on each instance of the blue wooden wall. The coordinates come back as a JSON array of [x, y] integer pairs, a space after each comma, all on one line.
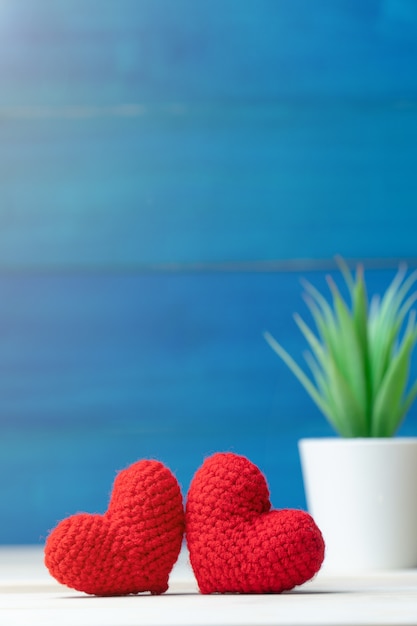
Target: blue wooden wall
[[169, 169]]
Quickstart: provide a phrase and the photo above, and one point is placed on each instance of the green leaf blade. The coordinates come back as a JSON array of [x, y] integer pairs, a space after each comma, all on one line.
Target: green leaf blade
[[360, 354]]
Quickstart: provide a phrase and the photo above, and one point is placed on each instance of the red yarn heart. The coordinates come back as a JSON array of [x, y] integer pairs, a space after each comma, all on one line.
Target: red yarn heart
[[132, 547], [236, 543]]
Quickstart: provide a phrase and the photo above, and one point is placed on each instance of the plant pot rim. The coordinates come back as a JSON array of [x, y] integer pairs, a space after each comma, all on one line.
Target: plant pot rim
[[360, 441]]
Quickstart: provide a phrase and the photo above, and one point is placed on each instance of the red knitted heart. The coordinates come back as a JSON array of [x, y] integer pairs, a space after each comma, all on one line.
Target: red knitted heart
[[236, 543], [132, 547]]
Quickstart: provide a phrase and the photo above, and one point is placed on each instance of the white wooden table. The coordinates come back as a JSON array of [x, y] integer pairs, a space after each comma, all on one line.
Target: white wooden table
[[29, 596]]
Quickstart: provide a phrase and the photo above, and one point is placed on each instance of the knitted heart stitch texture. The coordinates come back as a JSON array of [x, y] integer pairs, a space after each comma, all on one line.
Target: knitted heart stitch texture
[[132, 547], [236, 543]]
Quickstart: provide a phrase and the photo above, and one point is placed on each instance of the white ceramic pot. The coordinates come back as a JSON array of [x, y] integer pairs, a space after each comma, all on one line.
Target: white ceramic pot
[[362, 494]]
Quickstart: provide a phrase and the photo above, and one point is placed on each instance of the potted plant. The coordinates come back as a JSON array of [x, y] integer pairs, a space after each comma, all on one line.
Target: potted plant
[[361, 487]]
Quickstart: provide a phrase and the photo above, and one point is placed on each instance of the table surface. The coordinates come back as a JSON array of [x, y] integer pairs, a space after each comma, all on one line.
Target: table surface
[[28, 595]]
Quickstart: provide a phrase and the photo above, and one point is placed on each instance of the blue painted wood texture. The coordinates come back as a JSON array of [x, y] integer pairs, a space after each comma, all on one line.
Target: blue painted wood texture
[[169, 170], [209, 185]]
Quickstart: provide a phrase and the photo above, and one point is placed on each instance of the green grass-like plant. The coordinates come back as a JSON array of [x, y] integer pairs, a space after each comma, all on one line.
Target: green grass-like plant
[[359, 357]]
